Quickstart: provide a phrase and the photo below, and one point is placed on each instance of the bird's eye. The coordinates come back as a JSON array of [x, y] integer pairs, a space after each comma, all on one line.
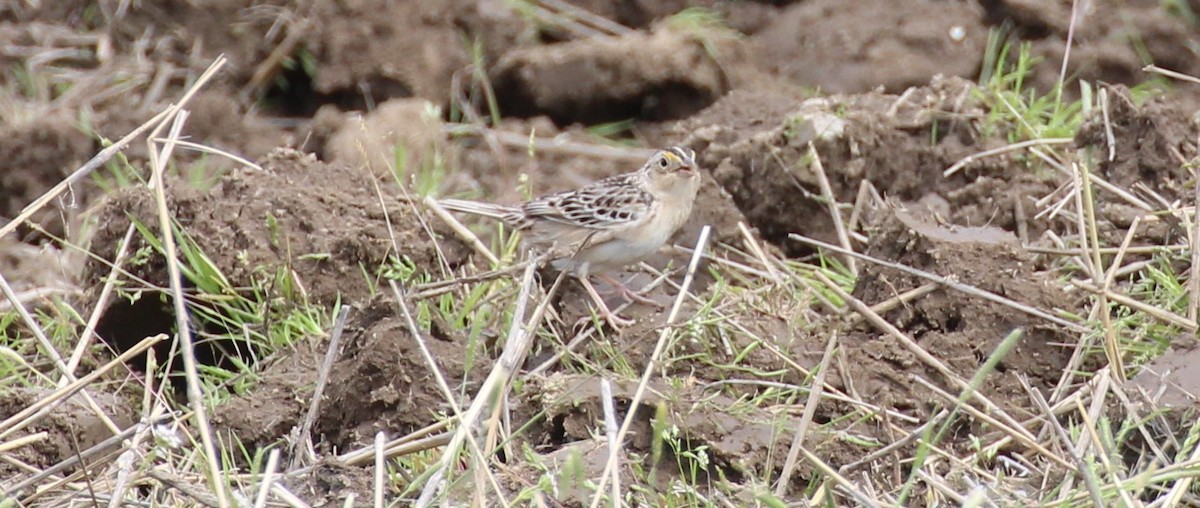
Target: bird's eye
[[662, 163]]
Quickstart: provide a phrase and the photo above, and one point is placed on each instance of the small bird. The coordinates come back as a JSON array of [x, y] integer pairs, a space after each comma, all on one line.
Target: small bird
[[605, 225]]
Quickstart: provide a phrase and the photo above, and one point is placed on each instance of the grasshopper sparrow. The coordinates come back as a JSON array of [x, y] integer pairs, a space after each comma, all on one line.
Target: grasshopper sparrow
[[608, 224]]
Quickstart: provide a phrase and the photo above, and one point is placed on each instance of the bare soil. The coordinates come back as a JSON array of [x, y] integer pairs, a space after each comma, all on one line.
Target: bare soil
[[320, 93]]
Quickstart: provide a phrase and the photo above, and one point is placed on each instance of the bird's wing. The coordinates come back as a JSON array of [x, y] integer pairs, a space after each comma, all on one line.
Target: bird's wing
[[604, 205]]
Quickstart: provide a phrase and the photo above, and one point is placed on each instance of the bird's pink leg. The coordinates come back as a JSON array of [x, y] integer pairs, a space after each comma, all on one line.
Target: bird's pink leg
[[630, 294], [616, 321]]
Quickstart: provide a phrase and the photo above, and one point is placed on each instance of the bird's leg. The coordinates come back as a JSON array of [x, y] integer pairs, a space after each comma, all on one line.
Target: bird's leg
[[629, 294], [616, 321]]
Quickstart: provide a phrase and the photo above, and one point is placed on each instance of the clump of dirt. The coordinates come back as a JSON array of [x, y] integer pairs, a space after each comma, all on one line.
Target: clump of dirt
[[321, 226], [358, 46], [381, 381], [322, 222], [737, 443], [331, 484], [961, 331], [1151, 144], [372, 140], [841, 47], [874, 137], [277, 403], [1113, 39], [38, 153], [660, 75], [71, 427]]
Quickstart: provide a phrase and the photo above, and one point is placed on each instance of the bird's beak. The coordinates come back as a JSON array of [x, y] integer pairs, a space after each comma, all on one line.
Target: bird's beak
[[687, 170]]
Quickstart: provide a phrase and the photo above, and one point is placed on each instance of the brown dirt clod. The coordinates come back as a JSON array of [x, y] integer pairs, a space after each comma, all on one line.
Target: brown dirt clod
[[320, 225], [1150, 143], [39, 153], [657, 76], [70, 428], [874, 43], [961, 331], [381, 381]]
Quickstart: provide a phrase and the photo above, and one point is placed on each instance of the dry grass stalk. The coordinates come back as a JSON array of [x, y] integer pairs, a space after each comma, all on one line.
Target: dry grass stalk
[[303, 436], [1091, 236], [810, 409], [89, 330], [461, 435], [831, 203], [968, 160], [187, 350], [1081, 467]]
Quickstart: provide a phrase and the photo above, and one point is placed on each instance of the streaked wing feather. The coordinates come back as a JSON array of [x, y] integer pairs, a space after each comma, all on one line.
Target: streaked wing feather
[[608, 203]]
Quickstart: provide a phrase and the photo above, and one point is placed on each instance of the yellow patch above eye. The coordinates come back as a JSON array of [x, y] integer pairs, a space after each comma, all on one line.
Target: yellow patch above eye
[[671, 156]]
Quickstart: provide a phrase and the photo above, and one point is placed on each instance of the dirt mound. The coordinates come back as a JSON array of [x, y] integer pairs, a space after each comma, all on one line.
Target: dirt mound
[[1149, 142], [382, 382], [324, 223], [656, 76], [69, 428], [874, 137], [961, 331], [874, 43], [38, 153], [314, 231]]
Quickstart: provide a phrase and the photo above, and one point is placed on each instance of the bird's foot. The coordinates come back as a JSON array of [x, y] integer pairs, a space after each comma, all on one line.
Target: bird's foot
[[631, 295], [617, 323]]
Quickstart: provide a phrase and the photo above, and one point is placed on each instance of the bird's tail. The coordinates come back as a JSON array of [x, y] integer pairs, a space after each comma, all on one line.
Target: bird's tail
[[493, 211]]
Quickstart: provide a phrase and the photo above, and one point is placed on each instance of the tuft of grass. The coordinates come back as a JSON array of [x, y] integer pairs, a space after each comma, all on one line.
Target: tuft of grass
[[424, 175], [1016, 111], [705, 25], [250, 323], [1143, 337], [616, 132]]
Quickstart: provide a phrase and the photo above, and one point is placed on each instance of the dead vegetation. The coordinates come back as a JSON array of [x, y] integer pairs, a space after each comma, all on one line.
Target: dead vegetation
[[949, 291]]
